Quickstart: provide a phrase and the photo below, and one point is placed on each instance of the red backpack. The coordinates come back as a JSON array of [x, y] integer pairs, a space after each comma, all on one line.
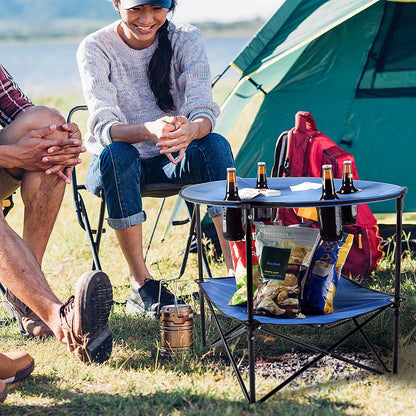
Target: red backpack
[[302, 151]]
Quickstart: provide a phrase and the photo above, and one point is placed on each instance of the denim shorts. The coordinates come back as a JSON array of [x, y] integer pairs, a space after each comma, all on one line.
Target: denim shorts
[[120, 172]]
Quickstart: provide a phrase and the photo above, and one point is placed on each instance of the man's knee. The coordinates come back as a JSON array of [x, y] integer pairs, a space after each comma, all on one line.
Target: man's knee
[[40, 116], [34, 118]]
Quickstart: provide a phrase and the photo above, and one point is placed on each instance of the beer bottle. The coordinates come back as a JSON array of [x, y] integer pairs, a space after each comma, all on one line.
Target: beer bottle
[[262, 214], [349, 212], [330, 218], [232, 226]]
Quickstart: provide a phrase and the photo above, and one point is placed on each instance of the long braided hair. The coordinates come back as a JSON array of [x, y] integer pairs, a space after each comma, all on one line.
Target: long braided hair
[[158, 71]]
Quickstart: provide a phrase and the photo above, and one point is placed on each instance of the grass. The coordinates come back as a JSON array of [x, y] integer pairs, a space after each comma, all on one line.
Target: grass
[[138, 381]]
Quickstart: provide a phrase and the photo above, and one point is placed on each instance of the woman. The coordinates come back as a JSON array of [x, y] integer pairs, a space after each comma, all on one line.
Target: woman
[[147, 86]]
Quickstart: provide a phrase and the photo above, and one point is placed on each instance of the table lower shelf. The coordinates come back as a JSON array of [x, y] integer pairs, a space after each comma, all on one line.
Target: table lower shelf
[[351, 300]]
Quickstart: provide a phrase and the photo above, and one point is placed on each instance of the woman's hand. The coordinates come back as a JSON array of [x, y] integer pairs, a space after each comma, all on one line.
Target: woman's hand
[[157, 128], [170, 134], [177, 135]]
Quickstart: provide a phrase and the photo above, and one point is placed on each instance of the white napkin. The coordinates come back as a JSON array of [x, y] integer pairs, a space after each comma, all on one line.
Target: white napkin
[[304, 186]]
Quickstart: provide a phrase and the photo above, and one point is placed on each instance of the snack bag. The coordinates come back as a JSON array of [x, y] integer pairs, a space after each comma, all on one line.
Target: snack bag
[[238, 252], [278, 298], [284, 254], [319, 284], [282, 250]]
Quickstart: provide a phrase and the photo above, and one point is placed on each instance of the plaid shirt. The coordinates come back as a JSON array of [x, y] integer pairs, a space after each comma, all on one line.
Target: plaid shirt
[[12, 99]]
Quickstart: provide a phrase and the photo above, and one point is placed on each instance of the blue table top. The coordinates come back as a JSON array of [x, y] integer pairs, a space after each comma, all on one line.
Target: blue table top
[[213, 193]]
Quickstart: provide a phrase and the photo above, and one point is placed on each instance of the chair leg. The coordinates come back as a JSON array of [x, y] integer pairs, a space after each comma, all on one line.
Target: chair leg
[[96, 265], [7, 204], [84, 222], [197, 213], [187, 247], [99, 232], [191, 235], [176, 210], [154, 227]]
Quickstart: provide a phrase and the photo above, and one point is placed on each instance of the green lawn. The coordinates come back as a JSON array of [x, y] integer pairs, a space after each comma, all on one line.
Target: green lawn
[[138, 381]]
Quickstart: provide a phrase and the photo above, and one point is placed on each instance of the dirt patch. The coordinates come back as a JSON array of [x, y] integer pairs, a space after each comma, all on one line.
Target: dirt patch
[[284, 365]]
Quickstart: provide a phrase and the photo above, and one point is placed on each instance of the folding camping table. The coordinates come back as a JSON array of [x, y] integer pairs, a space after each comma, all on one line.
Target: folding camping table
[[352, 303]]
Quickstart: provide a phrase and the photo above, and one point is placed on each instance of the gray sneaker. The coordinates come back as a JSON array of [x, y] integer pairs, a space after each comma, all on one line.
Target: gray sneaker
[[150, 299]]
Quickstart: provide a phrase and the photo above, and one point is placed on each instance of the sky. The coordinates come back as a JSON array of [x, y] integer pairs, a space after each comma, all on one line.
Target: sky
[[224, 10]]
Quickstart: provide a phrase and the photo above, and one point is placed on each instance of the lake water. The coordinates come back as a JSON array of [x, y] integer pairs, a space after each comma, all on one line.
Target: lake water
[[44, 68]]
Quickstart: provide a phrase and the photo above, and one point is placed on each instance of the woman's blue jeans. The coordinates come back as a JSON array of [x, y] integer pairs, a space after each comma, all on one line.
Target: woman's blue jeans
[[120, 172]]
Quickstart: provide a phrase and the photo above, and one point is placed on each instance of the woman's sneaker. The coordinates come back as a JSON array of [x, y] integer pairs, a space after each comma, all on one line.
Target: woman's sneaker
[[150, 298]]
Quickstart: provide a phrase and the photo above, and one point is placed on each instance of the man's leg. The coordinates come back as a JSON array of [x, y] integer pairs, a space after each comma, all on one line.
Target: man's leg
[[21, 274], [80, 323], [41, 194]]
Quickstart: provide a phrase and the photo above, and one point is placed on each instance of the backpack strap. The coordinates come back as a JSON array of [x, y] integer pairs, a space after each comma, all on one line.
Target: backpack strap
[[281, 156]]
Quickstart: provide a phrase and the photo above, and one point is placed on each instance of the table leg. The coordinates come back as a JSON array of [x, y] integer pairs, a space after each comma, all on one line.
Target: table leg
[[251, 325], [200, 272], [399, 211]]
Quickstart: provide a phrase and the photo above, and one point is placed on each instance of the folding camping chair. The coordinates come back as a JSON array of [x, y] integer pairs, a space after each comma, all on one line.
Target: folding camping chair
[[7, 204], [157, 190]]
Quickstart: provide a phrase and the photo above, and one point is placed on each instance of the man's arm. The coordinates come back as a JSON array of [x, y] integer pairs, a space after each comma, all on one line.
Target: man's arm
[[53, 156], [12, 100]]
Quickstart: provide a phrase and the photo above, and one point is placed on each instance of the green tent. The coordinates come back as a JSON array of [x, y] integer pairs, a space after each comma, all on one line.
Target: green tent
[[352, 65]]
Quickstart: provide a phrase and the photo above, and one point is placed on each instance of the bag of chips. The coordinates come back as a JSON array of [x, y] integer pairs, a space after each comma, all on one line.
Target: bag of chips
[[319, 283], [282, 250], [278, 297], [284, 255]]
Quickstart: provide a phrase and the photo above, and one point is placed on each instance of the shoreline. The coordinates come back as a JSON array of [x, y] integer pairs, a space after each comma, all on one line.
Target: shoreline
[[63, 29]]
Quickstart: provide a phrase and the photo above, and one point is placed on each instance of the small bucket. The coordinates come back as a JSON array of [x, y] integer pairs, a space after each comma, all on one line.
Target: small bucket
[[176, 329]]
